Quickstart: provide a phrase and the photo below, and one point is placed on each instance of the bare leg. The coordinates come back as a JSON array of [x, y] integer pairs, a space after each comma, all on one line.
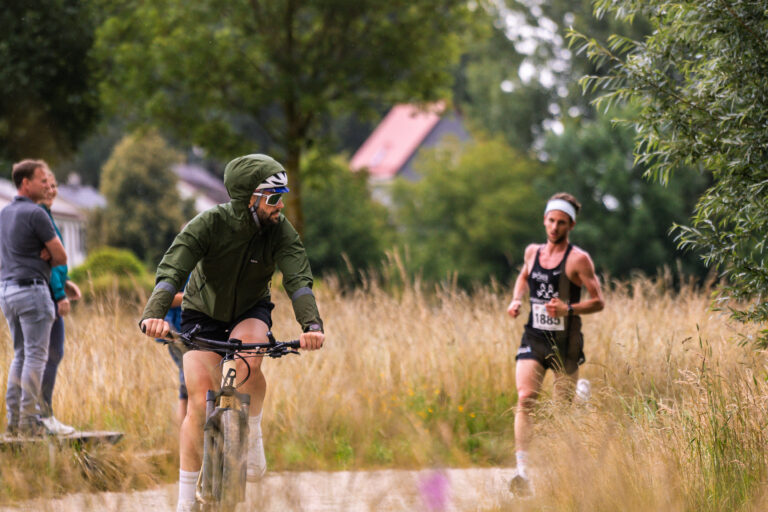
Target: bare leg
[[252, 330], [202, 372], [529, 375], [181, 411]]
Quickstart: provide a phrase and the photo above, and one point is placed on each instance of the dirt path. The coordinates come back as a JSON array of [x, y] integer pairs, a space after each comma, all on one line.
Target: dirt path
[[343, 491]]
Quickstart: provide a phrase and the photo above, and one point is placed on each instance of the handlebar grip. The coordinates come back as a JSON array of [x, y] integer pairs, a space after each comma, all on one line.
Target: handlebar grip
[[293, 343]]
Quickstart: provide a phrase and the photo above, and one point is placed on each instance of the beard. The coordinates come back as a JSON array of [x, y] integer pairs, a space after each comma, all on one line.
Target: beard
[[267, 219]]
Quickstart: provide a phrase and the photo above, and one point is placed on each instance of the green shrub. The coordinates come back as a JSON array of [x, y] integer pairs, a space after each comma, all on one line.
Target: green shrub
[[113, 272]]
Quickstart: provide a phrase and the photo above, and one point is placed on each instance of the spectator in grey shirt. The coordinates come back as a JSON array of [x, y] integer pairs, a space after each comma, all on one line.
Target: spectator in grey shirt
[[28, 248]]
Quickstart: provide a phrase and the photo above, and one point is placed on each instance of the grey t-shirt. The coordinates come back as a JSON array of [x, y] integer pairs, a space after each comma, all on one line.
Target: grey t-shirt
[[24, 229]]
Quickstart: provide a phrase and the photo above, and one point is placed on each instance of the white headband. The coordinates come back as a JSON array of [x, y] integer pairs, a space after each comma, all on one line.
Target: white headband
[[563, 206]]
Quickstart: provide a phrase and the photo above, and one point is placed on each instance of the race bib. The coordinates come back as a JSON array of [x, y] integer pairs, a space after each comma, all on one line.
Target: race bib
[[544, 322]]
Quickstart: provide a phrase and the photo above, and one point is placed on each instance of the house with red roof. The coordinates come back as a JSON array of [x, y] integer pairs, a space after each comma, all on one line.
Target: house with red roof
[[390, 151]]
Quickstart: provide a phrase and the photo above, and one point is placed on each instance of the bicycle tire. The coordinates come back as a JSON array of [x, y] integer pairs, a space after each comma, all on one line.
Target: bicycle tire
[[233, 457], [211, 465]]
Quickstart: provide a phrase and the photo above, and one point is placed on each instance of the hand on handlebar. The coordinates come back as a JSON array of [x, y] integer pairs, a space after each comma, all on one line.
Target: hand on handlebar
[[312, 340], [155, 327]]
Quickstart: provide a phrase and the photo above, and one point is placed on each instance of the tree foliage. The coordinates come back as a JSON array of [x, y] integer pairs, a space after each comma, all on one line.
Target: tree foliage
[[626, 219], [243, 76], [47, 96], [144, 211], [346, 231], [699, 80], [473, 213], [518, 76]]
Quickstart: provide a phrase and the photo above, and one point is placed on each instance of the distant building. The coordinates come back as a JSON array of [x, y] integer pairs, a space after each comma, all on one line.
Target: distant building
[[394, 145], [198, 183], [85, 197]]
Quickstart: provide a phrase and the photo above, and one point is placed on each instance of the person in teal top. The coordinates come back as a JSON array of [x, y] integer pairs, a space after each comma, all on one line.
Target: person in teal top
[[63, 291]]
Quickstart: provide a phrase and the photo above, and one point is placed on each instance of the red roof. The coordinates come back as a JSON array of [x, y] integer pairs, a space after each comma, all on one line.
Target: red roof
[[396, 138]]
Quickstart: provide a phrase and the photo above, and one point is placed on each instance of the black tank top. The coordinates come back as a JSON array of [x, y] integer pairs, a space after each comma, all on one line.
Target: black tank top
[[544, 284]]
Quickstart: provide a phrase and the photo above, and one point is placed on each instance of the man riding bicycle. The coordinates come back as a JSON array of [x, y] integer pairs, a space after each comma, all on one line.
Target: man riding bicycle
[[231, 251]]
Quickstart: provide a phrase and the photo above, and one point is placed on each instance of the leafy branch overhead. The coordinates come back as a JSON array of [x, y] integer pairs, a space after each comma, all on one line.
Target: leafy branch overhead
[[699, 82]]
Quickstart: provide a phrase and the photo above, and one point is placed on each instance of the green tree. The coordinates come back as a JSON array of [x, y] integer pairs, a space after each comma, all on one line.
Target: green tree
[[518, 77], [48, 101], [473, 212], [144, 211], [242, 75], [625, 219], [346, 231], [699, 80]]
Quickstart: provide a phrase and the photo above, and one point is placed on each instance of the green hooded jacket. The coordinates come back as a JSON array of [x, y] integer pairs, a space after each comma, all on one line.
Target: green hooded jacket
[[231, 260]]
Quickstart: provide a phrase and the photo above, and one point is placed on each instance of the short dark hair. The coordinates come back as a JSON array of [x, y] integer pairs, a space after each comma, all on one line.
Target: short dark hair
[[568, 197], [26, 169]]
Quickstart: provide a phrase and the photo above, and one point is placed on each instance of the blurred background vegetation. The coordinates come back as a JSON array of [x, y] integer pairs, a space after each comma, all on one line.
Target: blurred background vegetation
[[124, 89]]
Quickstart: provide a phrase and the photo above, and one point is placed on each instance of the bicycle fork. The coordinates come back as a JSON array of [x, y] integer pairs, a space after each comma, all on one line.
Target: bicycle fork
[[217, 403]]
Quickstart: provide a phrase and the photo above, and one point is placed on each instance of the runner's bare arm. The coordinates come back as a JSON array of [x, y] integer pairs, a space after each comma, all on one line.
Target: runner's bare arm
[[584, 273], [521, 284], [585, 270]]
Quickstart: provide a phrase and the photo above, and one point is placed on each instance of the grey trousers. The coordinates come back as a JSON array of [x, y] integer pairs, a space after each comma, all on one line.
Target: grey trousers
[[30, 314]]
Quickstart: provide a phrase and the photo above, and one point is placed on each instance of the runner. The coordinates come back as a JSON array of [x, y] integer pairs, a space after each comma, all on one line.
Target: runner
[[554, 274], [232, 251]]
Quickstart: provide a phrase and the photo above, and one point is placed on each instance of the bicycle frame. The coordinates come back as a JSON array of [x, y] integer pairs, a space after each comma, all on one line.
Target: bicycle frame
[[222, 479]]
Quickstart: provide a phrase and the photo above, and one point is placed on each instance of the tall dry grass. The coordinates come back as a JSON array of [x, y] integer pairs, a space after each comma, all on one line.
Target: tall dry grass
[[417, 377]]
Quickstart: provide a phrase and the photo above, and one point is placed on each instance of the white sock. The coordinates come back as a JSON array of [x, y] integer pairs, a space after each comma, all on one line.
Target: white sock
[[187, 485], [522, 463], [254, 429]]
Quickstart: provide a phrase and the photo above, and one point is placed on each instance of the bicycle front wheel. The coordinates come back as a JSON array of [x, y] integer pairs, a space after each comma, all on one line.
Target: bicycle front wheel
[[233, 458]]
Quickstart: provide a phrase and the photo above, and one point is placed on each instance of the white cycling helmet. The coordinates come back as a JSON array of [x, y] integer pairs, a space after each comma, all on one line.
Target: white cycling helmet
[[277, 183]]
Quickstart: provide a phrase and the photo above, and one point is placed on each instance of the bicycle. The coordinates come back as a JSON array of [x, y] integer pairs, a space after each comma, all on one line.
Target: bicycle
[[222, 480]]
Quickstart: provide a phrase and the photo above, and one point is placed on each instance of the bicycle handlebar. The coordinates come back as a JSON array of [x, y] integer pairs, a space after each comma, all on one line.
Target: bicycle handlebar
[[272, 348]]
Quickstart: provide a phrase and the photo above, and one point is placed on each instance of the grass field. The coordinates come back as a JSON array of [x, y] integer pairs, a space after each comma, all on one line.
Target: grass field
[[413, 377]]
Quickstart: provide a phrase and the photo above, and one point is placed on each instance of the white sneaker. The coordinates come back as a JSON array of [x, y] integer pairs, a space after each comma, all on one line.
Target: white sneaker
[[520, 486], [583, 390], [257, 462], [55, 427]]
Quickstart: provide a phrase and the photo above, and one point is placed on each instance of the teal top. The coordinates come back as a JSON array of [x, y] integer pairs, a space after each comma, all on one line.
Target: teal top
[[58, 274]]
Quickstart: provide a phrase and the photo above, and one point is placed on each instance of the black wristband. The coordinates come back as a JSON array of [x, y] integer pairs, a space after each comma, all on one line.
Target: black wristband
[[570, 310], [313, 328]]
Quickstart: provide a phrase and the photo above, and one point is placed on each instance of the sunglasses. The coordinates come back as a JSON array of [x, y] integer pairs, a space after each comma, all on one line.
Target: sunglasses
[[270, 199]]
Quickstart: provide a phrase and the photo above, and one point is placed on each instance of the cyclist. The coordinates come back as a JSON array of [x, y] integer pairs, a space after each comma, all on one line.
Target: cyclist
[[554, 273], [232, 251]]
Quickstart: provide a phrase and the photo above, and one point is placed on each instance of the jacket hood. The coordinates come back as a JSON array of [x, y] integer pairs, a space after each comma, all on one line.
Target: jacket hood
[[243, 174]]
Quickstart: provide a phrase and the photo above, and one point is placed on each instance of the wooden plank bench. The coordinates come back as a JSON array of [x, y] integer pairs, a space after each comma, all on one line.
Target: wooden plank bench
[[77, 438]]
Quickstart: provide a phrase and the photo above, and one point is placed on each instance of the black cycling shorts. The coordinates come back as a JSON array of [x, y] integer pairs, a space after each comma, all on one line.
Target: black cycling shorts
[[216, 329], [558, 355]]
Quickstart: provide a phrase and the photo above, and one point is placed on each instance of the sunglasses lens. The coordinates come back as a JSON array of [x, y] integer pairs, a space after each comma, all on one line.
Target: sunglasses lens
[[273, 199]]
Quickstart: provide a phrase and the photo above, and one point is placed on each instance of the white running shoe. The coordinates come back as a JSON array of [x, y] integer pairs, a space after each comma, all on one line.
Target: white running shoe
[[583, 390], [55, 427], [520, 486], [257, 462]]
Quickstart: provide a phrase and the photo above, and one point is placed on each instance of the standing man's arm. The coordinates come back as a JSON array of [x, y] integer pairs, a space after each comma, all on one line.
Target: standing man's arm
[[56, 254], [521, 284]]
